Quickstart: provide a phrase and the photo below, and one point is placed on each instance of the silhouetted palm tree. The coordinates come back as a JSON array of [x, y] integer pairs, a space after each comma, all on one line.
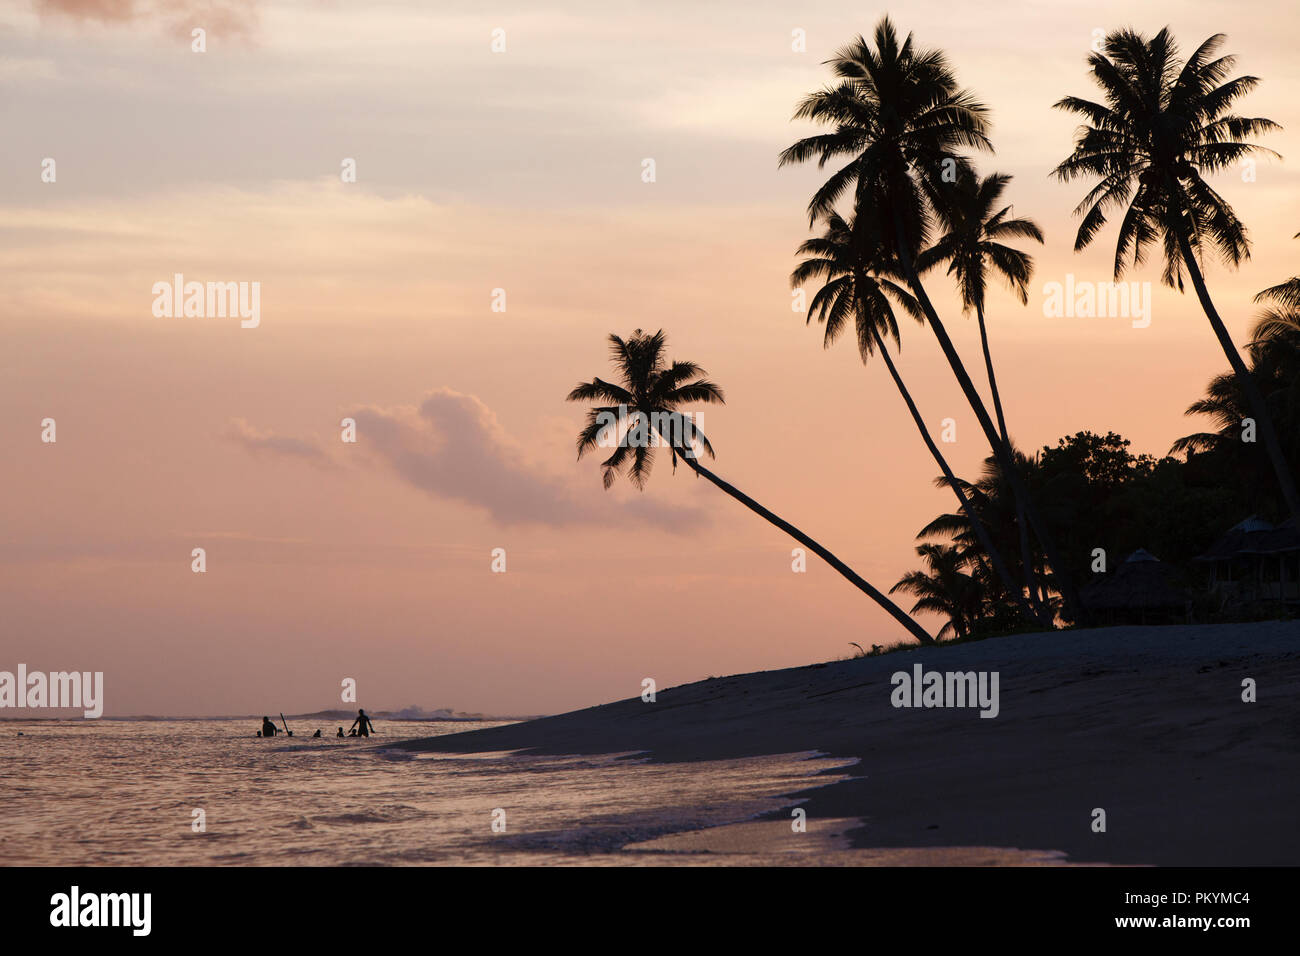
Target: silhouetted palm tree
[[1274, 353], [861, 284], [1282, 321], [1163, 124], [1275, 366], [901, 116], [946, 588], [996, 504], [972, 246], [644, 411]]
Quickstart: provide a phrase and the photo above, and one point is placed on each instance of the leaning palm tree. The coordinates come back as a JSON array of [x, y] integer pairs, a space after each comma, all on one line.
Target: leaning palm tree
[[861, 283], [946, 588], [973, 246], [644, 412], [1162, 125], [901, 117]]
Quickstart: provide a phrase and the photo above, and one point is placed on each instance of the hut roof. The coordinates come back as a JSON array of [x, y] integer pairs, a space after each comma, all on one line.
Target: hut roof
[[1254, 536], [1141, 581]]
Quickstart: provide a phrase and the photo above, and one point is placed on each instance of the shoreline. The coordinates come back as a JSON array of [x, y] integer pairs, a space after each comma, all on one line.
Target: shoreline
[[1144, 722]]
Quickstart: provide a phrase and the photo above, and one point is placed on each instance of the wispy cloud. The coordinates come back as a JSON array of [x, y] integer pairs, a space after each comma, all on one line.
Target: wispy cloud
[[224, 17], [261, 442]]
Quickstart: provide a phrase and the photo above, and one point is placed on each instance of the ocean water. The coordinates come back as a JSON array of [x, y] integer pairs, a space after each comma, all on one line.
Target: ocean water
[[125, 792]]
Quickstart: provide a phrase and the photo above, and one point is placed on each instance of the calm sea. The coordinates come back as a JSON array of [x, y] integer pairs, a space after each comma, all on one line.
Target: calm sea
[[126, 792]]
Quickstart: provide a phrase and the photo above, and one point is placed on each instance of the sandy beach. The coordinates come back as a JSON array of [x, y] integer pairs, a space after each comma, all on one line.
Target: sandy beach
[[1145, 723]]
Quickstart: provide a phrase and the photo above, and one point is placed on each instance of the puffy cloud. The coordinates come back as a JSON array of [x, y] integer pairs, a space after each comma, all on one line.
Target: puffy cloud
[[453, 447]]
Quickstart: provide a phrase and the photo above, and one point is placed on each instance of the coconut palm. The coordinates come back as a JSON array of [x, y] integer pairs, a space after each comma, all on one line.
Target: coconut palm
[[995, 503], [643, 412], [1164, 123], [973, 246], [1274, 354], [946, 588], [1285, 295], [861, 284], [901, 117]]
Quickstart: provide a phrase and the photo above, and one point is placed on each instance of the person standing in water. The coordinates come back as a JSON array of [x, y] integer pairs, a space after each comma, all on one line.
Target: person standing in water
[[363, 724], [268, 728]]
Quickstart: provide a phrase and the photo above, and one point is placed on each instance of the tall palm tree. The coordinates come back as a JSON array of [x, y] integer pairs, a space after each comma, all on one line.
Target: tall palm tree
[[946, 588], [861, 284], [644, 411], [972, 245], [900, 116], [1163, 124]]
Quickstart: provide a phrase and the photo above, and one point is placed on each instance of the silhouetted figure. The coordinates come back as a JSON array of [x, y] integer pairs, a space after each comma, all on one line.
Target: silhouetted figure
[[363, 724], [340, 731], [268, 728], [351, 732], [317, 734]]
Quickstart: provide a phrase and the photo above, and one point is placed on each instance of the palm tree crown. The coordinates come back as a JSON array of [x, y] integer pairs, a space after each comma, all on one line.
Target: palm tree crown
[[946, 589], [1162, 125], [858, 282], [901, 115], [644, 410], [975, 231]]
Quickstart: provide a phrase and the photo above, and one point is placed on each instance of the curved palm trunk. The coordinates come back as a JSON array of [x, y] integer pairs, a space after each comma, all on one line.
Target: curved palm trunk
[[1001, 450], [1026, 554], [977, 525], [1247, 382], [853, 577]]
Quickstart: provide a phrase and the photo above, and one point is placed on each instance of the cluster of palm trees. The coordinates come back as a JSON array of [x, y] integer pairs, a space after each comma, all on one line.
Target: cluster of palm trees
[[904, 199]]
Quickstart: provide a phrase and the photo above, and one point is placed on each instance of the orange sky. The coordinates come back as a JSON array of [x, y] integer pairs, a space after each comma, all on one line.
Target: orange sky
[[519, 170]]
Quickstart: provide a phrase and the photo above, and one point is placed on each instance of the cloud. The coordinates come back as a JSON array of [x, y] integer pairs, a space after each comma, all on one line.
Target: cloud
[[179, 17], [265, 442], [453, 448], [107, 11]]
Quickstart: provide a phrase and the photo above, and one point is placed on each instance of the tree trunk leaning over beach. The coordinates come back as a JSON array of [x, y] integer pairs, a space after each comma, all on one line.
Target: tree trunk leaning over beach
[[635, 414], [849, 574]]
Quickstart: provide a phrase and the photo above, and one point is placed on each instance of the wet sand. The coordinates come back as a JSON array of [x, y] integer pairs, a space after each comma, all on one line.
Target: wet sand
[[1145, 723]]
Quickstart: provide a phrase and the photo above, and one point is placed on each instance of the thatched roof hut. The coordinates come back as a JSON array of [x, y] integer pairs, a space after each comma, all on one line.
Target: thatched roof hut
[[1139, 590], [1255, 563], [1254, 537]]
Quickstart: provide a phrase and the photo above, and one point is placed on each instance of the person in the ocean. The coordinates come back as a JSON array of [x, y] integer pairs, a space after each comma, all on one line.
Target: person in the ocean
[[317, 734], [340, 731], [363, 724], [268, 728]]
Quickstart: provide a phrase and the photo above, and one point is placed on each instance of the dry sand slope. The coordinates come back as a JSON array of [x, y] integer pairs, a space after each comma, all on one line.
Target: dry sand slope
[[1147, 723]]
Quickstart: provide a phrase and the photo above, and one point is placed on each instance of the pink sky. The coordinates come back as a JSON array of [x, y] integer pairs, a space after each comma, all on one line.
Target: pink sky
[[519, 170]]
